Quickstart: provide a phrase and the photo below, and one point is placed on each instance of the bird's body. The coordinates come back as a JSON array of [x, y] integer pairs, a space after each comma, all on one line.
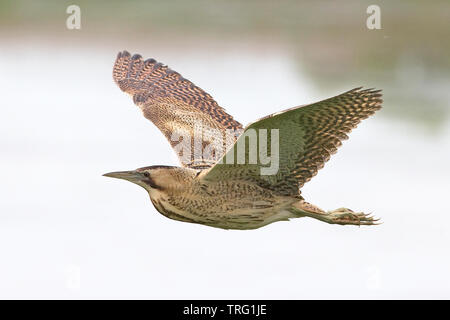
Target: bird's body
[[249, 191], [184, 195]]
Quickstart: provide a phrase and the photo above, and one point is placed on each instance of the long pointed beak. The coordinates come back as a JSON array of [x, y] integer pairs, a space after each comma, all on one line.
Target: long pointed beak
[[126, 175]]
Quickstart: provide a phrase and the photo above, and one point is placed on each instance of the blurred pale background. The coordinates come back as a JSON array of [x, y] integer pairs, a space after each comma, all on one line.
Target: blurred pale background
[[68, 232]]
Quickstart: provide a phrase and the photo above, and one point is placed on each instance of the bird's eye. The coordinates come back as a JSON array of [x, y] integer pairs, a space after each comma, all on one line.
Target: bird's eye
[[146, 174]]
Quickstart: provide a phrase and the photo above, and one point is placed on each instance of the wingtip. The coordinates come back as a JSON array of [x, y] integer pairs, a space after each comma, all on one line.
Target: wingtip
[[136, 57], [122, 54], [150, 61], [125, 53], [368, 90]]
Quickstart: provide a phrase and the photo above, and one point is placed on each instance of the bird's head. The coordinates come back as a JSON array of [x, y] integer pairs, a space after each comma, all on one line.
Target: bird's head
[[150, 178]]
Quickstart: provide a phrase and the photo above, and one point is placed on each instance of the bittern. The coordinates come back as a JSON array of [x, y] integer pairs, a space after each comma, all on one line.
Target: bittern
[[212, 190]]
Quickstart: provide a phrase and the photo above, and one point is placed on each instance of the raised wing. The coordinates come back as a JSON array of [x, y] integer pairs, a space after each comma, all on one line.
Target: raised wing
[[188, 116], [307, 137]]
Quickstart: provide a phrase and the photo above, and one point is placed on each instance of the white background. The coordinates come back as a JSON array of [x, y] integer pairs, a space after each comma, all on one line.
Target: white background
[[68, 232]]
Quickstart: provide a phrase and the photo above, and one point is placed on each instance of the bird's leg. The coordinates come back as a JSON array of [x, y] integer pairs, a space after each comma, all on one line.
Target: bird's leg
[[341, 216], [347, 216]]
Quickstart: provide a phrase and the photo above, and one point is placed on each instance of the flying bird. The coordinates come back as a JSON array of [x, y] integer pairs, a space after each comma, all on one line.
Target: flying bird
[[222, 182]]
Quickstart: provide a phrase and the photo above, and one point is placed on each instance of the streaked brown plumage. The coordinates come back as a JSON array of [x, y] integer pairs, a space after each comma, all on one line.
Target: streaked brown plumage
[[234, 195], [171, 102]]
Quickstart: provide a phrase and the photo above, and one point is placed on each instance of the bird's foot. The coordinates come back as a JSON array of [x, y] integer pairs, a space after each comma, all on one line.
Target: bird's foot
[[346, 216]]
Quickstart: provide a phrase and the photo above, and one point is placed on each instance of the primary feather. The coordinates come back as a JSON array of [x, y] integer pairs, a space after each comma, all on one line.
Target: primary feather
[[176, 106], [308, 136]]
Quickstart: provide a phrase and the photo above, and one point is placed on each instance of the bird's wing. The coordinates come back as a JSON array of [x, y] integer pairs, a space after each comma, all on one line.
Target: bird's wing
[[307, 137], [188, 116]]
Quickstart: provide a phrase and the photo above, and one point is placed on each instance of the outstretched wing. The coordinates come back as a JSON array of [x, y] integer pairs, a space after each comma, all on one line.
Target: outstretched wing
[[188, 116], [307, 137]]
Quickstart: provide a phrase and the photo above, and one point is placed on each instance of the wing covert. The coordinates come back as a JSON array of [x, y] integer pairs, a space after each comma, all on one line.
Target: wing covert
[[307, 137]]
